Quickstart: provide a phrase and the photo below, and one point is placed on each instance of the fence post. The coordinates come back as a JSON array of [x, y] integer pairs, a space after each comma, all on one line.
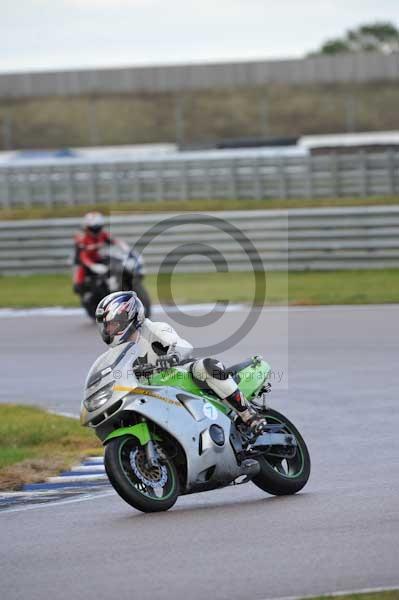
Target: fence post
[[309, 169], [136, 182], [335, 175], [282, 177], [49, 187], [7, 201], [208, 179], [70, 184], [115, 182], [183, 181], [159, 181], [232, 179], [390, 159], [363, 173], [28, 190], [92, 184], [257, 188]]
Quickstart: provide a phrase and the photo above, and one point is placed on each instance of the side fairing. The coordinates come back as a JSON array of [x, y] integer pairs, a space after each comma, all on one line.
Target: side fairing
[[253, 377], [188, 419]]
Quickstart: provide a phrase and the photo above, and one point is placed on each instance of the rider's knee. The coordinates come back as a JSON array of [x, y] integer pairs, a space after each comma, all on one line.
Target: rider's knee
[[209, 368]]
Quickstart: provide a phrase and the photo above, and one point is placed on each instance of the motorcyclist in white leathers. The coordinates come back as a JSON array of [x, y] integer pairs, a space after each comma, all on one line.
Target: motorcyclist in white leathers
[[120, 317]]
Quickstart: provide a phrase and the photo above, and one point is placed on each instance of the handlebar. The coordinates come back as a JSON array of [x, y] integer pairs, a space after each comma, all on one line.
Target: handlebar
[[163, 363]]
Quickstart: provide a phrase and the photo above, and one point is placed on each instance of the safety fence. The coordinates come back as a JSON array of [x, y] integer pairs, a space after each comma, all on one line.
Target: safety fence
[[241, 176], [318, 239]]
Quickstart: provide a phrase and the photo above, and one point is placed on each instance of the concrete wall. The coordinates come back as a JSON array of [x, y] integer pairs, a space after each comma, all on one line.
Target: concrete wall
[[350, 68]]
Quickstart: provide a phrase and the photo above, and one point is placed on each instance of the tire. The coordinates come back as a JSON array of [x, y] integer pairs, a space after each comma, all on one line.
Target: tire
[[90, 308], [272, 478], [144, 296], [117, 459], [96, 296]]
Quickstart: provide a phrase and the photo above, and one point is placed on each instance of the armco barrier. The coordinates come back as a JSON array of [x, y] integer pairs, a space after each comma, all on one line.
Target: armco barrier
[[318, 239]]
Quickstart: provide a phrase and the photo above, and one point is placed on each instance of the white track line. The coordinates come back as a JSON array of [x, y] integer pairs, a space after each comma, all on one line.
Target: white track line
[[76, 478], [84, 468], [59, 311]]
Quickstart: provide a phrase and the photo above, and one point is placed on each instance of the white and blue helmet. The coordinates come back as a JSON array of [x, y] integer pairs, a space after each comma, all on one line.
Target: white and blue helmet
[[93, 222], [118, 316]]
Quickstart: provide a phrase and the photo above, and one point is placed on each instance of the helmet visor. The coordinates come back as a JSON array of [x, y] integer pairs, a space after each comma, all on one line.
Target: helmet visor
[[116, 325], [95, 229]]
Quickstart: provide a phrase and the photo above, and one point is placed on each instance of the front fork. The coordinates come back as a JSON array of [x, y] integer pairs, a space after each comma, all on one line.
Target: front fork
[[150, 450], [152, 454]]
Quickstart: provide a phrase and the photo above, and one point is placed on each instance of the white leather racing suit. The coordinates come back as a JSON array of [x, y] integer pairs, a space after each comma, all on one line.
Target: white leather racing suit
[[160, 339]]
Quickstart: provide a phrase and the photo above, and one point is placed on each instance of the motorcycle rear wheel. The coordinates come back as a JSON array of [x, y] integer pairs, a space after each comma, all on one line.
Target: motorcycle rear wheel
[[138, 287], [145, 488], [283, 477]]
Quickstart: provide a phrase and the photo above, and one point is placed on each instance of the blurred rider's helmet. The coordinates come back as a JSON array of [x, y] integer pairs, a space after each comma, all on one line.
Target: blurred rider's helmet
[[118, 316], [93, 222]]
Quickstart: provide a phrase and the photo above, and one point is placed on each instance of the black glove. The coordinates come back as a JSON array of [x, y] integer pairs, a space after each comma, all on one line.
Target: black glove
[[168, 361], [144, 370]]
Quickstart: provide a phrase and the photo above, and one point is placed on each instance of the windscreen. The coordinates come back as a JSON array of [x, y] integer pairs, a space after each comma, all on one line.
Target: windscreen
[[112, 361]]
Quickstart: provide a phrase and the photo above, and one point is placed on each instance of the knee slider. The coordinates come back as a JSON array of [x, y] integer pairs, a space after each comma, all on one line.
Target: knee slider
[[215, 369]]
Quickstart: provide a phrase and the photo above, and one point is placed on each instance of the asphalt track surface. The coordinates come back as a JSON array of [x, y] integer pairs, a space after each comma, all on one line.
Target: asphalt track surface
[[340, 533]]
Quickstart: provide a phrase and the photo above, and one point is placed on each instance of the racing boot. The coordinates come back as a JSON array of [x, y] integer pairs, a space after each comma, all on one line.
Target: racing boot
[[255, 423]]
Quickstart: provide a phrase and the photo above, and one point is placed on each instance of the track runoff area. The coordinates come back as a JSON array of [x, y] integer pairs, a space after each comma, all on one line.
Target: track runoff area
[[336, 377]]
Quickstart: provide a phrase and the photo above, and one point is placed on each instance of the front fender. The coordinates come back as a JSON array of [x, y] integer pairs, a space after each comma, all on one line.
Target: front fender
[[140, 431]]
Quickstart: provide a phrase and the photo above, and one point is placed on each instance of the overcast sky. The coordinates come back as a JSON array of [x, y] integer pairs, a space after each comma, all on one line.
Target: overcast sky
[[63, 34]]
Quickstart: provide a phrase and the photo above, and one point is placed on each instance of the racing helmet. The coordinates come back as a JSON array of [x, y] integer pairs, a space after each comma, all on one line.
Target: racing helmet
[[118, 316], [93, 222]]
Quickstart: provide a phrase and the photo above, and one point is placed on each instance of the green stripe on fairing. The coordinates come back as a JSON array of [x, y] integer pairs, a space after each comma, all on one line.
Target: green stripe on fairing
[[251, 380], [182, 379], [140, 431]]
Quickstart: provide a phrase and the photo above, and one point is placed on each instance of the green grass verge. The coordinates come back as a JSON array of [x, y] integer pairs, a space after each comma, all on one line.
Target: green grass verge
[[44, 212], [310, 287], [388, 595], [35, 444]]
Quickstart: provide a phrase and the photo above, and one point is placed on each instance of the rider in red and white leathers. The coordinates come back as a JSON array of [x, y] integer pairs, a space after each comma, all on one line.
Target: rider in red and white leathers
[[88, 244]]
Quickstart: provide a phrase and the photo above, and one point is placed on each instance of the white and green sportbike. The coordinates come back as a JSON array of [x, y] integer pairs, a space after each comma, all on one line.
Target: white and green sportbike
[[169, 437]]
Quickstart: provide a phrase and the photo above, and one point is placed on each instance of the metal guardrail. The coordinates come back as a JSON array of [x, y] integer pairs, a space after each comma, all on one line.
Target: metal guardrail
[[318, 239], [241, 176], [355, 67]]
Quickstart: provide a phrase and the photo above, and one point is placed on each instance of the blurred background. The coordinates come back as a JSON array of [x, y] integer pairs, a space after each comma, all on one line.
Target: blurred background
[[138, 107]]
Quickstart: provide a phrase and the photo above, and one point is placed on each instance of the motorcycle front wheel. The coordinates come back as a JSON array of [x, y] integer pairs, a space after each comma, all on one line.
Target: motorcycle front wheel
[[283, 476], [145, 487]]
